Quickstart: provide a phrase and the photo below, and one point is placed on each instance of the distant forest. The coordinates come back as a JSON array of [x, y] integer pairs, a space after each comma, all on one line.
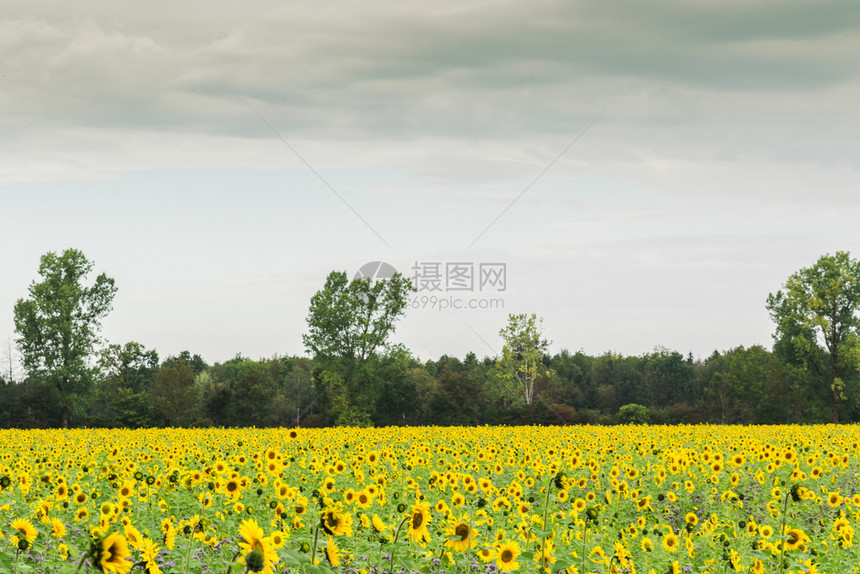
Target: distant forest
[[353, 376], [743, 385]]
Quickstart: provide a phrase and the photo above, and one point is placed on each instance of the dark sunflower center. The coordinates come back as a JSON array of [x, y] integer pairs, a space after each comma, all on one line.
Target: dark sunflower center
[[112, 553], [331, 521], [462, 531], [793, 537], [506, 556], [417, 520]]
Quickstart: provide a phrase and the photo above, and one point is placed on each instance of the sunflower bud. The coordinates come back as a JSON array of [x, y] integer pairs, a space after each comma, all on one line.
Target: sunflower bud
[[255, 561], [796, 491], [23, 544]]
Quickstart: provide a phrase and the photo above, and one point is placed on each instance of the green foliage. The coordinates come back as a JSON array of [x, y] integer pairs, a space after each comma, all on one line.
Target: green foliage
[[817, 320], [58, 327], [174, 396], [522, 356], [349, 323], [633, 414]]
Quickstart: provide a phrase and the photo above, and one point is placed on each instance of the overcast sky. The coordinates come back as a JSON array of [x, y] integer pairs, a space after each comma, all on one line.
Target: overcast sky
[[646, 172]]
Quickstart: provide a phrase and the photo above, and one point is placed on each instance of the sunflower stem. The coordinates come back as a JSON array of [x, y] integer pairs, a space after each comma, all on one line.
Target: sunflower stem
[[314, 547], [188, 552], [235, 557], [545, 509], [394, 544], [584, 537], [782, 534]]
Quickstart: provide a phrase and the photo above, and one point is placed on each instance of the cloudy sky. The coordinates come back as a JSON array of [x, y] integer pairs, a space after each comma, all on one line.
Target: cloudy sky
[[646, 172]]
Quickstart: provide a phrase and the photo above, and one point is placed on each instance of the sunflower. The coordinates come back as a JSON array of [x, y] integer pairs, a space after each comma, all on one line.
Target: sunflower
[[466, 536], [418, 523], [644, 503], [58, 529], [364, 499], [378, 524], [148, 554], [25, 529], [169, 533], [253, 540], [670, 542], [332, 553], [132, 535], [335, 523], [795, 538], [112, 554], [232, 487], [691, 518], [506, 556], [647, 545]]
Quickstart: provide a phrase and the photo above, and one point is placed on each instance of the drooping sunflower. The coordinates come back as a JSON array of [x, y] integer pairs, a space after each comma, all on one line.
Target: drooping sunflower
[[378, 524], [25, 529], [418, 522], [336, 523], [253, 539], [506, 556], [332, 553], [112, 553]]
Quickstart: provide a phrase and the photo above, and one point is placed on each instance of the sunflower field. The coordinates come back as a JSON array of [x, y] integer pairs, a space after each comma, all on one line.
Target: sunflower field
[[622, 499]]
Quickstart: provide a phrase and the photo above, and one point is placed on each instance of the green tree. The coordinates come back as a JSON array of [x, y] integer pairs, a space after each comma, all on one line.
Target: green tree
[[633, 414], [58, 327], [817, 322], [349, 323], [522, 362], [254, 392], [174, 395], [128, 371]]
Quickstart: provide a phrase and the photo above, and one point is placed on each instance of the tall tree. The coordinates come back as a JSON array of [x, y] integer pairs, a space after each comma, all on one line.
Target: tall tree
[[58, 326], [817, 322], [349, 323], [173, 394], [128, 371], [522, 361]]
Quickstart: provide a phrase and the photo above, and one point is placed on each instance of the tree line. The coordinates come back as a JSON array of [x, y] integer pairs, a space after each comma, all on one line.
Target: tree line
[[353, 375]]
